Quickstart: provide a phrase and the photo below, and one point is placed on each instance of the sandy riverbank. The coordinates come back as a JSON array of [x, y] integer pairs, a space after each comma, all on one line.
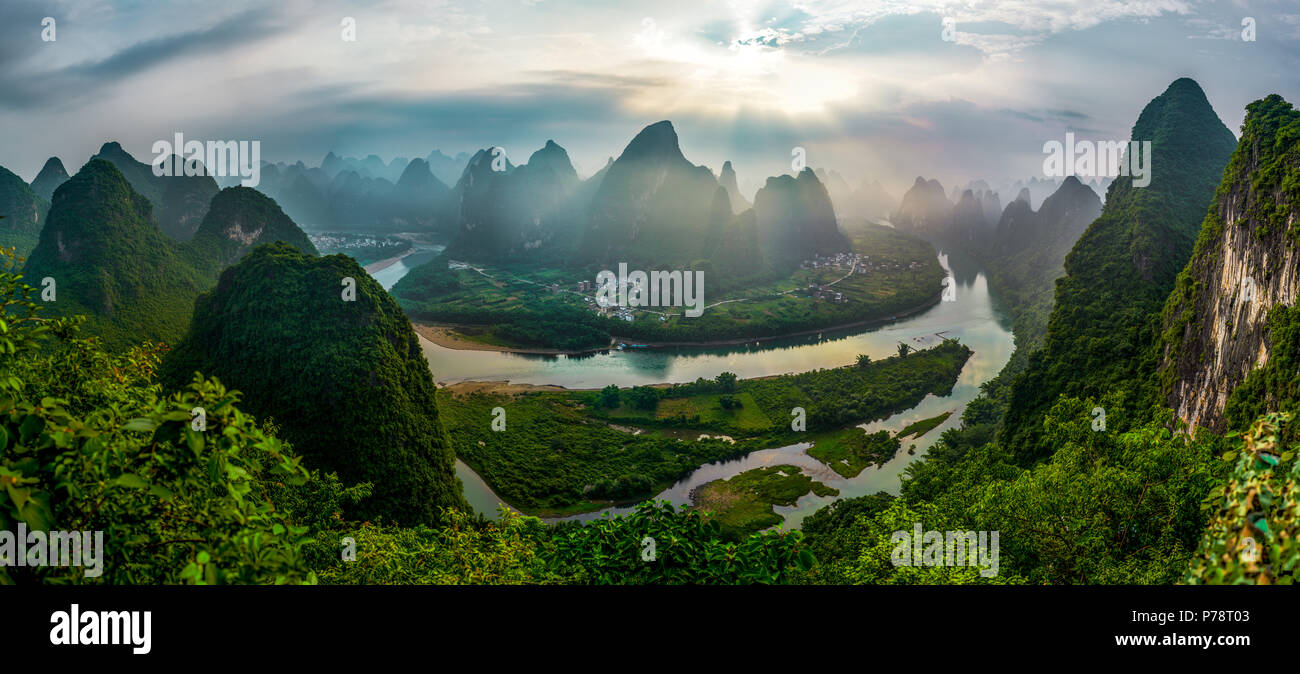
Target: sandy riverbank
[[386, 263], [448, 337]]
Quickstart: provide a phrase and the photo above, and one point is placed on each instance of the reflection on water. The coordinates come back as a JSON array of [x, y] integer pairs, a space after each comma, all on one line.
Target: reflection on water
[[973, 318]]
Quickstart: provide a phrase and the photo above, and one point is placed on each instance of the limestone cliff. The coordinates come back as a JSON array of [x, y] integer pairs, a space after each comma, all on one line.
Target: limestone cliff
[[1247, 262]]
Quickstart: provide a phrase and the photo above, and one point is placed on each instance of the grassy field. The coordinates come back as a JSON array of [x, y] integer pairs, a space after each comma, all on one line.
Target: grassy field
[[744, 503], [849, 451], [703, 411], [919, 428]]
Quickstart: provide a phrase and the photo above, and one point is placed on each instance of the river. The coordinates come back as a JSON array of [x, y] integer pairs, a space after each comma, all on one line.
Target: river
[[972, 316], [388, 276]]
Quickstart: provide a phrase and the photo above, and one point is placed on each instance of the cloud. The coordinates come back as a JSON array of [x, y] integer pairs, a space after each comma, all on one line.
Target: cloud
[[870, 88], [27, 88]]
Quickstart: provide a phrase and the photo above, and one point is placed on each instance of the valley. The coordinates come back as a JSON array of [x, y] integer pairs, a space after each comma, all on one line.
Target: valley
[[443, 366], [973, 320]]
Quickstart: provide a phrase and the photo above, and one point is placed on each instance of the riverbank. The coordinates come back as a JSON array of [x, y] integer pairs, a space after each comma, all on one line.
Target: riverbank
[[375, 267], [447, 336]]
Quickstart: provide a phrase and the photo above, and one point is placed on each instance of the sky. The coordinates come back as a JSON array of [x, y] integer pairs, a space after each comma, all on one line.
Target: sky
[[874, 89]]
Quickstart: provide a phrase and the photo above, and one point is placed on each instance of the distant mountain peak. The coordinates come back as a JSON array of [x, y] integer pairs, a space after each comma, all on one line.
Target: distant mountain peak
[[727, 179], [657, 140], [54, 164], [554, 157], [51, 176]]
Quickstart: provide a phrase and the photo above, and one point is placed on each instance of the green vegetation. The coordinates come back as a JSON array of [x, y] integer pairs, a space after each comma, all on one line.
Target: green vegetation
[[849, 451], [1103, 334], [51, 176], [1275, 386], [96, 439], [110, 262], [1254, 532], [919, 428], [24, 214], [238, 219], [565, 452], [1075, 503], [688, 548], [519, 307], [554, 458], [346, 381], [1105, 508], [1262, 180], [89, 441], [1027, 255], [1275, 182], [743, 503], [179, 201]]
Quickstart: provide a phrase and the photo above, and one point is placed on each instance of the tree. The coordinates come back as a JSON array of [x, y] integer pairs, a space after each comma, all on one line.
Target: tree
[[643, 397], [609, 397], [863, 360], [903, 350], [727, 381]]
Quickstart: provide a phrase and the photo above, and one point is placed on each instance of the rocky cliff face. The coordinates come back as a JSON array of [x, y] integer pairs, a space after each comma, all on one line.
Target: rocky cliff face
[[1247, 262]]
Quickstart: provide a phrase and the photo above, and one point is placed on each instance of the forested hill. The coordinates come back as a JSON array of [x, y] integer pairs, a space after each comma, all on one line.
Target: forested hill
[[1123, 499], [520, 213], [179, 201], [1105, 323], [24, 213], [108, 259], [650, 204], [51, 176], [239, 219], [345, 379], [1025, 256]]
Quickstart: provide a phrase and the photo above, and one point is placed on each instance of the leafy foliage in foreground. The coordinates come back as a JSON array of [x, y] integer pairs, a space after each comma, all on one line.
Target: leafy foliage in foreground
[[688, 547], [1253, 535], [88, 442]]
